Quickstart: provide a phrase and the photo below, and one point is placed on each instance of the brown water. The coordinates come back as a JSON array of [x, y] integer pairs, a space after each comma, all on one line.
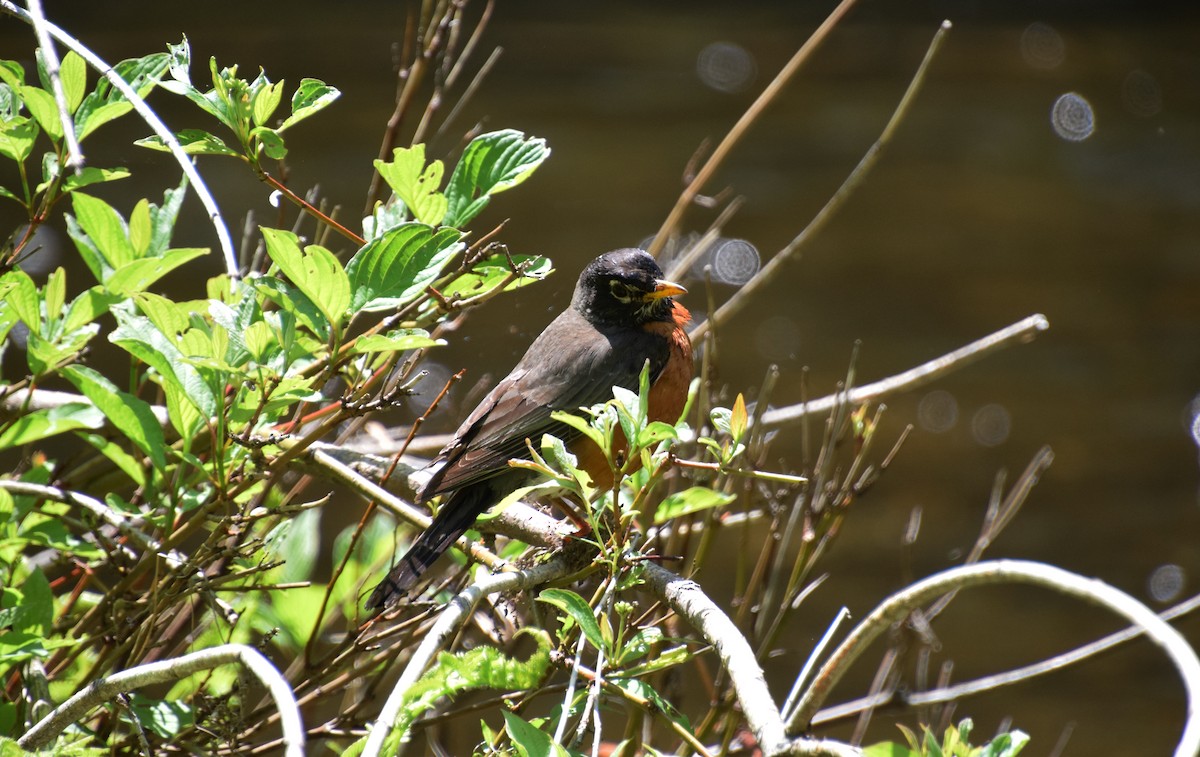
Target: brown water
[[978, 215]]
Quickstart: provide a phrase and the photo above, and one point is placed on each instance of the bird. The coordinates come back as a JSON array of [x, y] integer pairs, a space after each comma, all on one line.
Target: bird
[[623, 313]]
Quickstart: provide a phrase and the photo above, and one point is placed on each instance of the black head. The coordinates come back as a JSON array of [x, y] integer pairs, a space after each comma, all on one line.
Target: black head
[[624, 287]]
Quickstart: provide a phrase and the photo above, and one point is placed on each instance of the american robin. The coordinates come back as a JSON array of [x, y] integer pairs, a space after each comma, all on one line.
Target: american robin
[[621, 315]]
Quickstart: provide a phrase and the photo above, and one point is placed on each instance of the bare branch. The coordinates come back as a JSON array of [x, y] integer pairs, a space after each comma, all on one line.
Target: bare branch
[[75, 158], [105, 689], [897, 607], [1021, 331], [686, 598]]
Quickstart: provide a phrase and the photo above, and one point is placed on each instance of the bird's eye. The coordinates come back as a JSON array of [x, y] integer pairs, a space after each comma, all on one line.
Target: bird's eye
[[621, 291]]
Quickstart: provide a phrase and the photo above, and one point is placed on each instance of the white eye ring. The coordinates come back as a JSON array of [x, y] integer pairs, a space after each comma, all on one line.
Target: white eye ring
[[621, 291]]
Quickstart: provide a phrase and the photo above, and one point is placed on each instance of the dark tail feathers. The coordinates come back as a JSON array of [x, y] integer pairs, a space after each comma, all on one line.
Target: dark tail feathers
[[456, 515]]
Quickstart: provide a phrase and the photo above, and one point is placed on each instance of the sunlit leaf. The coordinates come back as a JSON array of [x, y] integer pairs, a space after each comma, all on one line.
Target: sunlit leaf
[[311, 97], [578, 609], [193, 142], [415, 183], [398, 340], [315, 270], [695, 499], [17, 137], [40, 424], [490, 164], [131, 415], [395, 268], [137, 275]]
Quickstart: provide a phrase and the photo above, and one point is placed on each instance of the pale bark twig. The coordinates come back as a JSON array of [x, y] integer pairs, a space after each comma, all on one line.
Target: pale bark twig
[[897, 607], [167, 671]]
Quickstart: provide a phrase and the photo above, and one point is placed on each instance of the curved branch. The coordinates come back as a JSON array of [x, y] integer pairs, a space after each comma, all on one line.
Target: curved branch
[[445, 628], [168, 671], [153, 121], [897, 607], [1021, 331], [686, 598]]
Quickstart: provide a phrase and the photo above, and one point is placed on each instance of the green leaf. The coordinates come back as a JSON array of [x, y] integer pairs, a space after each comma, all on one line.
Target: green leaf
[[137, 275], [397, 340], [530, 741], [91, 175], [104, 227], [294, 302], [50, 421], [695, 499], [1006, 745], [311, 97], [167, 719], [139, 227], [22, 296], [87, 307], [141, 338], [100, 115], [578, 609], [394, 269], [490, 164], [131, 415], [72, 71], [494, 271], [415, 184], [42, 107], [35, 614], [122, 459], [271, 142], [889, 749], [266, 100], [315, 270], [16, 138], [639, 645], [193, 142]]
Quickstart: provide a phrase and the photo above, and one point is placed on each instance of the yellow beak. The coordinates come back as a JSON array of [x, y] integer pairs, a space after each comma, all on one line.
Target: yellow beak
[[664, 288]]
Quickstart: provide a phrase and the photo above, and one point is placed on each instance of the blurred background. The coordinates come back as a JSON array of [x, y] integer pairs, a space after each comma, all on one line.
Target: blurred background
[[1051, 164]]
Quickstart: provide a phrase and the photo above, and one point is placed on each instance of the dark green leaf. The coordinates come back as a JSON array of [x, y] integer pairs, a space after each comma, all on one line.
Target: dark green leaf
[[35, 614], [530, 741], [578, 609], [490, 164], [395, 268]]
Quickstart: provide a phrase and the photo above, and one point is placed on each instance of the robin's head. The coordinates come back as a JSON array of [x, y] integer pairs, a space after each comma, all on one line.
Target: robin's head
[[624, 287]]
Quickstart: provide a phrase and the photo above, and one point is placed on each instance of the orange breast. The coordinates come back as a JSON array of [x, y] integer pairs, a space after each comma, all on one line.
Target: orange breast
[[668, 395]]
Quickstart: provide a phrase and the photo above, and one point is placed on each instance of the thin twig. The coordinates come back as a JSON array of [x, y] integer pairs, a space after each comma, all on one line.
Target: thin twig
[[768, 271], [75, 160], [1021, 331], [946, 694], [752, 113], [897, 607], [168, 671]]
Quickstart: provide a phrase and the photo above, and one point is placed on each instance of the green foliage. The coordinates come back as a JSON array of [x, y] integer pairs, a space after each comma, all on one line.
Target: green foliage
[[955, 743], [185, 440]]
